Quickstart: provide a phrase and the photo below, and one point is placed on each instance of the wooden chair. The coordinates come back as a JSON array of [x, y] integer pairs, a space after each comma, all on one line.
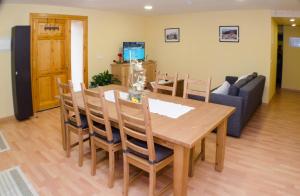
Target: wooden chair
[[138, 144], [164, 76], [189, 92], [103, 135], [74, 121]]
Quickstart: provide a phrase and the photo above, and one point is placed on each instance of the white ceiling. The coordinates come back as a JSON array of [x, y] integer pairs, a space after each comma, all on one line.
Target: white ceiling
[[170, 6]]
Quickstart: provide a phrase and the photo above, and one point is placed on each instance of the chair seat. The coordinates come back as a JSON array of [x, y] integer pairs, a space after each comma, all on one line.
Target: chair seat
[[161, 151], [84, 121], [115, 133]]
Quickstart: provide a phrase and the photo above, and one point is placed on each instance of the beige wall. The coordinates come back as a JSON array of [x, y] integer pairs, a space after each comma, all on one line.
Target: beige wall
[[107, 31], [200, 53], [291, 60], [273, 67]]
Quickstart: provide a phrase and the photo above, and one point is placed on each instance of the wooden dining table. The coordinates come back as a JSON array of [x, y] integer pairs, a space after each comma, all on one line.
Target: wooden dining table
[[181, 134]]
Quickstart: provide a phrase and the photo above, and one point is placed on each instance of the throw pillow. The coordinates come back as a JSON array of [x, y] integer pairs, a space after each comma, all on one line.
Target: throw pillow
[[235, 88], [251, 76], [231, 79], [241, 83], [223, 89], [241, 77]]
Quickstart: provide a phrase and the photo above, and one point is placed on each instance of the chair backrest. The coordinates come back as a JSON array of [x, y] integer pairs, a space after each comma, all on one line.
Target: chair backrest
[[69, 102], [97, 112], [135, 122], [165, 77], [203, 88]]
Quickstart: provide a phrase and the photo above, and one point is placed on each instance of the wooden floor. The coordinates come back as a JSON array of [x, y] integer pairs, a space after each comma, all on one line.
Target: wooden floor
[[265, 161]]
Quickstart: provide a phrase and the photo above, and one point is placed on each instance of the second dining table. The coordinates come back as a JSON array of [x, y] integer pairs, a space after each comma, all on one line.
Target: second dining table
[[182, 133]]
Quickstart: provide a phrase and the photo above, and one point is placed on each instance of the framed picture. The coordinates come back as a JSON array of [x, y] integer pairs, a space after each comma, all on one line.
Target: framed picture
[[229, 33], [172, 35]]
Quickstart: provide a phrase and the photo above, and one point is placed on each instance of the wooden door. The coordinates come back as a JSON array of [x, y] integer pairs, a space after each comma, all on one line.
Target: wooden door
[[49, 59]]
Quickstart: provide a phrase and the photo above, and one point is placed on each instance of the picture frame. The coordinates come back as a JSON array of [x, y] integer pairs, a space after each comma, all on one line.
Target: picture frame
[[229, 34], [172, 35]]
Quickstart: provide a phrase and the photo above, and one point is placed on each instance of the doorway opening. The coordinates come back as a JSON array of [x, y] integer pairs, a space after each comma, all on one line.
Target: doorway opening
[[279, 57], [77, 50], [288, 63]]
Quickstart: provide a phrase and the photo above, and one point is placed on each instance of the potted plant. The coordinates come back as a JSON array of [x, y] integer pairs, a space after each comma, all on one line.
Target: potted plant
[[103, 79]]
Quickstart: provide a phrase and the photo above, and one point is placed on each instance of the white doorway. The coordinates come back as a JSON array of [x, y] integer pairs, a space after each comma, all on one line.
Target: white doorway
[[77, 53]]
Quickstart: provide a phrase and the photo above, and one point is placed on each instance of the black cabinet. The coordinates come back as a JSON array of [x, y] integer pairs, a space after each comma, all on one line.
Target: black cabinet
[[20, 70]]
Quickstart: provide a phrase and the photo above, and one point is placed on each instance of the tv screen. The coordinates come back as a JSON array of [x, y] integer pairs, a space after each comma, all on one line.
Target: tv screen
[[135, 50]]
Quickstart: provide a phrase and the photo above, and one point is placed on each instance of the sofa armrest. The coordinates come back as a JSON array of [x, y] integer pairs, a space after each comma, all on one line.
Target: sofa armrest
[[235, 123]]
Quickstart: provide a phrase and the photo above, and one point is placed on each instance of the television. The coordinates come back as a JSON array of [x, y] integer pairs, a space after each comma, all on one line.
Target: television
[[133, 50]]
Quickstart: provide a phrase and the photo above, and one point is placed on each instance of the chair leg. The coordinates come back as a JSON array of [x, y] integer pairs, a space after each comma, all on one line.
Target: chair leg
[[152, 181], [203, 149], [94, 157], [126, 176], [68, 142], [118, 154], [90, 144], [191, 162], [80, 161], [111, 173]]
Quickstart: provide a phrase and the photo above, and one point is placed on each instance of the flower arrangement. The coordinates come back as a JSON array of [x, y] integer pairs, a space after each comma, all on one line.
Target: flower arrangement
[[120, 58], [137, 81]]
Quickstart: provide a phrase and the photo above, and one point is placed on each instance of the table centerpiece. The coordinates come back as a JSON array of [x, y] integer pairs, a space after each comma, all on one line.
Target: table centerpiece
[[136, 81]]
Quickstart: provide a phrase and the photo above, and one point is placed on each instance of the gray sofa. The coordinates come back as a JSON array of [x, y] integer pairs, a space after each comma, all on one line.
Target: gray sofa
[[247, 98]]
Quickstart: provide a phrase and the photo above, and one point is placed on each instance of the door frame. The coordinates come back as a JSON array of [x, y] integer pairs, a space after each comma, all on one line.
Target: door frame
[[68, 19]]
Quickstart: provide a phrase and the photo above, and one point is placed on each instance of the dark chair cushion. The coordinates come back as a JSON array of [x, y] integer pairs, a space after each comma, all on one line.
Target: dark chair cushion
[[115, 134], [161, 152], [196, 97], [84, 122]]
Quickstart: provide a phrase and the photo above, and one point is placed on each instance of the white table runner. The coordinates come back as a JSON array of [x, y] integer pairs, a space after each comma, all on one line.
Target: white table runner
[[164, 108]]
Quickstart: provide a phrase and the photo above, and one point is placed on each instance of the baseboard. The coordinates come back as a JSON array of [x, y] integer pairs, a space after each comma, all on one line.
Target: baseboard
[[4, 119]]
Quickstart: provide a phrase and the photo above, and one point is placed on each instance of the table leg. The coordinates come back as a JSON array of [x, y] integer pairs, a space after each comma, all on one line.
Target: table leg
[[63, 129], [181, 168], [221, 139]]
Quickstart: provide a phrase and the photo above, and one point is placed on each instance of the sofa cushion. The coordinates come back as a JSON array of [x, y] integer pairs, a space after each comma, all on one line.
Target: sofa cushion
[[233, 90], [223, 89]]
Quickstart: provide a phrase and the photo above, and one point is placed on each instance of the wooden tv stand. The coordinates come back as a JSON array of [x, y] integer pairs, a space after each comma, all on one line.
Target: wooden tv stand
[[121, 71]]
